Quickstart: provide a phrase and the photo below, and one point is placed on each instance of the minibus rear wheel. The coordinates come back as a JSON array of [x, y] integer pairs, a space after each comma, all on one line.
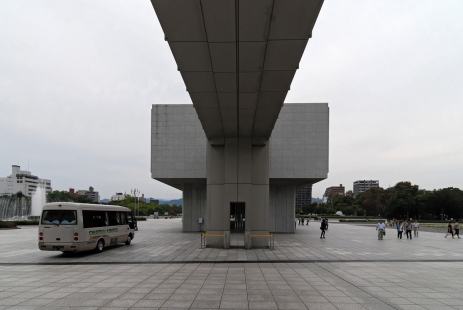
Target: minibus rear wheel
[[129, 239], [99, 246]]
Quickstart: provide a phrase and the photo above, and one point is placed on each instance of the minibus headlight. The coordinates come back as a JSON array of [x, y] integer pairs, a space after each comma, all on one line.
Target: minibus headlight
[[76, 234], [40, 233]]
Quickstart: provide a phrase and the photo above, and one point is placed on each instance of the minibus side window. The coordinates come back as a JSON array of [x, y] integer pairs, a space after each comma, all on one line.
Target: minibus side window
[[123, 218], [94, 218], [113, 217]]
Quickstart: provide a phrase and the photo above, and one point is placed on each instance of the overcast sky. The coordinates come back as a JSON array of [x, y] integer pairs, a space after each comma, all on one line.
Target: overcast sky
[[78, 78]]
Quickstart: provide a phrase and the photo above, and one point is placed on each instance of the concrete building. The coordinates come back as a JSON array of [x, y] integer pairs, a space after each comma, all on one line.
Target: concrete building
[[23, 181], [154, 201], [239, 153], [304, 196], [361, 186], [118, 197], [334, 190]]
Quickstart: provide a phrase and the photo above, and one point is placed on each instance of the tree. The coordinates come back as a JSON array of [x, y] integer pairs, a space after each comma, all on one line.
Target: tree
[[372, 201], [309, 208], [403, 200], [448, 201]]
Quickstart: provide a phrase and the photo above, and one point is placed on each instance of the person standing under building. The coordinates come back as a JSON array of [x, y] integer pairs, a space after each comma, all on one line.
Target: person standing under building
[[381, 228], [449, 230], [408, 229], [400, 230], [323, 228], [416, 228]]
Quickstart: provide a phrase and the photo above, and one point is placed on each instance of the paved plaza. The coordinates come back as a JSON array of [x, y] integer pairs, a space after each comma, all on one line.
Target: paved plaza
[[166, 269]]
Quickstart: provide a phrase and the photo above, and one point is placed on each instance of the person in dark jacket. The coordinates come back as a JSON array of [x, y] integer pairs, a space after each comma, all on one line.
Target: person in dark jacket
[[323, 228]]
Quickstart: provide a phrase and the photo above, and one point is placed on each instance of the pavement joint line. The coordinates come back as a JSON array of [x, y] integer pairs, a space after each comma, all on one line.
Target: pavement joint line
[[236, 262], [360, 288]]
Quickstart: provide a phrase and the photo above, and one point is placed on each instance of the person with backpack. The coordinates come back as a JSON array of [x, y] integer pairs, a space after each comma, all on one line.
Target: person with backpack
[[323, 228]]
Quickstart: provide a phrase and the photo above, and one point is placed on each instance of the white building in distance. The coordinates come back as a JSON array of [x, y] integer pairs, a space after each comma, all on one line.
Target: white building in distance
[[118, 197], [22, 181]]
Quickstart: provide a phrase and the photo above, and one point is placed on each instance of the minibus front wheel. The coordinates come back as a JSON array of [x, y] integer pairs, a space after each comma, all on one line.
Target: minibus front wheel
[[129, 239], [99, 246]]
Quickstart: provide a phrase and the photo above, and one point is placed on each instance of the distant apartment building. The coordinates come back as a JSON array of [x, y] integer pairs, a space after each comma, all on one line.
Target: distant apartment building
[[118, 197], [349, 193], [335, 190], [23, 181], [90, 194], [304, 196], [361, 186]]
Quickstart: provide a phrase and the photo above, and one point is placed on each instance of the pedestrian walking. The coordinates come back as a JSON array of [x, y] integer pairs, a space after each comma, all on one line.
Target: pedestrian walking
[[326, 223], [416, 228], [408, 229], [307, 223], [400, 230], [457, 229], [381, 228], [323, 228], [449, 230]]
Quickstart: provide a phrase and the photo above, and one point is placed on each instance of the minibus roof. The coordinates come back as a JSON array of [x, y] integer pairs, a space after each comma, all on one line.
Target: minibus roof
[[84, 206]]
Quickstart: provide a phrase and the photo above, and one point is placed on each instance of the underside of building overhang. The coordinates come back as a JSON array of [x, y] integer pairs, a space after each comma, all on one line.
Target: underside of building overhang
[[237, 58]]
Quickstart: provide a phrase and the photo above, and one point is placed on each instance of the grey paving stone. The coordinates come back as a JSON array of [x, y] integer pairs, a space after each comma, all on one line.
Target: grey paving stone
[[228, 304], [291, 305], [206, 304], [262, 305]]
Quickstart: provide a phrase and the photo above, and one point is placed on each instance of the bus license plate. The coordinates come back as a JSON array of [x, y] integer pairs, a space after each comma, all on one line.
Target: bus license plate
[[58, 248]]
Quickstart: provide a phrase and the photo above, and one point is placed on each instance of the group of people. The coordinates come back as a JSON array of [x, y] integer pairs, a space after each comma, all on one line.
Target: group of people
[[300, 221], [408, 227], [454, 229]]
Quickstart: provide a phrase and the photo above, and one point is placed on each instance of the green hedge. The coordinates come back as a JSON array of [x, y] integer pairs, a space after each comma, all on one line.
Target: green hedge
[[7, 224], [26, 222]]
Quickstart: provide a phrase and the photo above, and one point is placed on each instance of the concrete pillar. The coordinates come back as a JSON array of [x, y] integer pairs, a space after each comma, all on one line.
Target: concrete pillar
[[282, 208], [237, 171], [194, 206]]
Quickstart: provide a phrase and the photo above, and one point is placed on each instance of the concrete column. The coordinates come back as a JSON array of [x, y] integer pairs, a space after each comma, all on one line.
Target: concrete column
[[194, 206], [282, 208], [237, 172]]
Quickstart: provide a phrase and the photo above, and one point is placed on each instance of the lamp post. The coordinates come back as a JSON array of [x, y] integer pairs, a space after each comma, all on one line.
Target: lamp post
[[135, 192]]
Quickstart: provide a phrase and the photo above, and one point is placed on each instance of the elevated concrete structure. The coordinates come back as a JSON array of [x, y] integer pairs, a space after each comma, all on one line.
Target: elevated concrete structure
[[237, 59]]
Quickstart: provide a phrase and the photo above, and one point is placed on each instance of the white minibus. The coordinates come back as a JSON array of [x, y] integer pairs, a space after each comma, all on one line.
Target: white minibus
[[73, 227]]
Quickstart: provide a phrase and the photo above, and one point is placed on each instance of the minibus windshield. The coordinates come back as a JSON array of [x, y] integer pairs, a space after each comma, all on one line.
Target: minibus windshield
[[59, 217]]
